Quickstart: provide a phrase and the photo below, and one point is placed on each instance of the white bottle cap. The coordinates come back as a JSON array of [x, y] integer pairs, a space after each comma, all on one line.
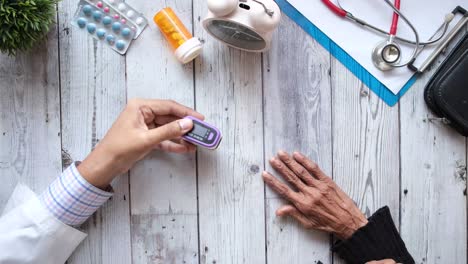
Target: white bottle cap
[[189, 50]]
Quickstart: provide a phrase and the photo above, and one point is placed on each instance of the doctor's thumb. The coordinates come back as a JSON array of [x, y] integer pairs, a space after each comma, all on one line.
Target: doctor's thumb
[[171, 130]]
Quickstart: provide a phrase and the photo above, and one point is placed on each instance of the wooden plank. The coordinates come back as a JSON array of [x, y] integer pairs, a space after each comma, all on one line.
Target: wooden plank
[[433, 182], [365, 144], [231, 192], [30, 110], [297, 99], [93, 94], [163, 186]]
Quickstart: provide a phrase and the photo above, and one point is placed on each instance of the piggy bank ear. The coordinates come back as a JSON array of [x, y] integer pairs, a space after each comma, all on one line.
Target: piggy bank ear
[[222, 8], [260, 18]]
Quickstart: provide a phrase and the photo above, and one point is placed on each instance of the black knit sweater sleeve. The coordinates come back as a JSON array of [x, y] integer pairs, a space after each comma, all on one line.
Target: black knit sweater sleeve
[[377, 240]]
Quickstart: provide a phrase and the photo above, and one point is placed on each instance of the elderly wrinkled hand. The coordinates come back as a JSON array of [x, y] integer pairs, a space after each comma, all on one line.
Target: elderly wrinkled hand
[[315, 200]]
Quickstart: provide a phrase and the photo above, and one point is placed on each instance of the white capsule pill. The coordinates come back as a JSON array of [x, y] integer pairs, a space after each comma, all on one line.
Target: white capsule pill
[[139, 21], [130, 14], [122, 7]]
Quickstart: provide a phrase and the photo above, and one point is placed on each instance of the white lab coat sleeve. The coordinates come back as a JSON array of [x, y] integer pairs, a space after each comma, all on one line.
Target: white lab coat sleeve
[[29, 233]]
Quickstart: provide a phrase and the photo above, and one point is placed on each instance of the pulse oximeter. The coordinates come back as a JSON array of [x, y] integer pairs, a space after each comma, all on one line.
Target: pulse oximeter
[[203, 134]]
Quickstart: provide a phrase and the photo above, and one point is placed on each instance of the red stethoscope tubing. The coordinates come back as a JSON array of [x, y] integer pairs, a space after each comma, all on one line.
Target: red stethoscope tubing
[[393, 28], [334, 8], [343, 13]]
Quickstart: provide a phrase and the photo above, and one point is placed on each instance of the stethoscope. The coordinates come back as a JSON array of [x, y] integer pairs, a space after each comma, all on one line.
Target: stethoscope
[[386, 55]]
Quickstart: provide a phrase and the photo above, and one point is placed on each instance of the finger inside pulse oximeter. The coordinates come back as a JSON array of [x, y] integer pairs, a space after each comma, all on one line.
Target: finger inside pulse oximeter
[[203, 134]]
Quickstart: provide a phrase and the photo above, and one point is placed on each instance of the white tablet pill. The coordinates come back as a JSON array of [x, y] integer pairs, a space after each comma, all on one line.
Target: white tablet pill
[[130, 14], [122, 7], [139, 21]]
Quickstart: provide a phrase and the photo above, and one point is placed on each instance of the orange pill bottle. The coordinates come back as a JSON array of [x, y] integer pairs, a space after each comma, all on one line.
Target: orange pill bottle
[[185, 46]]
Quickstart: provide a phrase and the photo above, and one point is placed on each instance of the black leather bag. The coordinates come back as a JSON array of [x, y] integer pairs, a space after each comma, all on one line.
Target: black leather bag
[[446, 94]]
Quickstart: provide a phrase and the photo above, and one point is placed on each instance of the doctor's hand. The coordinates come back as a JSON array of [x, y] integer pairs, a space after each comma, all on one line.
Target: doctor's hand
[[144, 125], [316, 201]]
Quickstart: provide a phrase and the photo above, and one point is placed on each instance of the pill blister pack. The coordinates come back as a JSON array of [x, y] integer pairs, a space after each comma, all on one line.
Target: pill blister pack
[[130, 14], [104, 22]]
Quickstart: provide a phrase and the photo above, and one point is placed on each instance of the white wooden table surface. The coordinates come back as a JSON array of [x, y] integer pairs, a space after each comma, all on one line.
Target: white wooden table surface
[[59, 100]]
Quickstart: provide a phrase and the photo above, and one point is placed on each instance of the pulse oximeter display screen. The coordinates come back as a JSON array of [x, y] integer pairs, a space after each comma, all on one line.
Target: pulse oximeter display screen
[[199, 130], [202, 133]]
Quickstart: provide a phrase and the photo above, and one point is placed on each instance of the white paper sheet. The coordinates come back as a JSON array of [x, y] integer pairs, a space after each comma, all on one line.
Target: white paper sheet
[[358, 42]]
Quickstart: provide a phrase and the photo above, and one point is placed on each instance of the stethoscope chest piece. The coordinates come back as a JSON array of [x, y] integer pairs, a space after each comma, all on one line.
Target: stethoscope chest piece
[[386, 55]]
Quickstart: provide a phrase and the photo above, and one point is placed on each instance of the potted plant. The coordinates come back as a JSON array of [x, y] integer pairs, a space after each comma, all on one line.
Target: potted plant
[[24, 23]]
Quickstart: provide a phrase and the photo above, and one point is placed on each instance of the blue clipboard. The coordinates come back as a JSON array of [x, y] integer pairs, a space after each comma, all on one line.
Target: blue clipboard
[[367, 78]]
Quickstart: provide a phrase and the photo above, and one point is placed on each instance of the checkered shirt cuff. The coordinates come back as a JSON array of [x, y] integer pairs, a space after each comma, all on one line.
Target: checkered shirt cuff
[[71, 199]]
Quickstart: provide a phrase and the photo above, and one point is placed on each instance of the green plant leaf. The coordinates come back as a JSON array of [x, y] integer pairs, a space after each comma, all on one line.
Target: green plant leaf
[[23, 23]]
